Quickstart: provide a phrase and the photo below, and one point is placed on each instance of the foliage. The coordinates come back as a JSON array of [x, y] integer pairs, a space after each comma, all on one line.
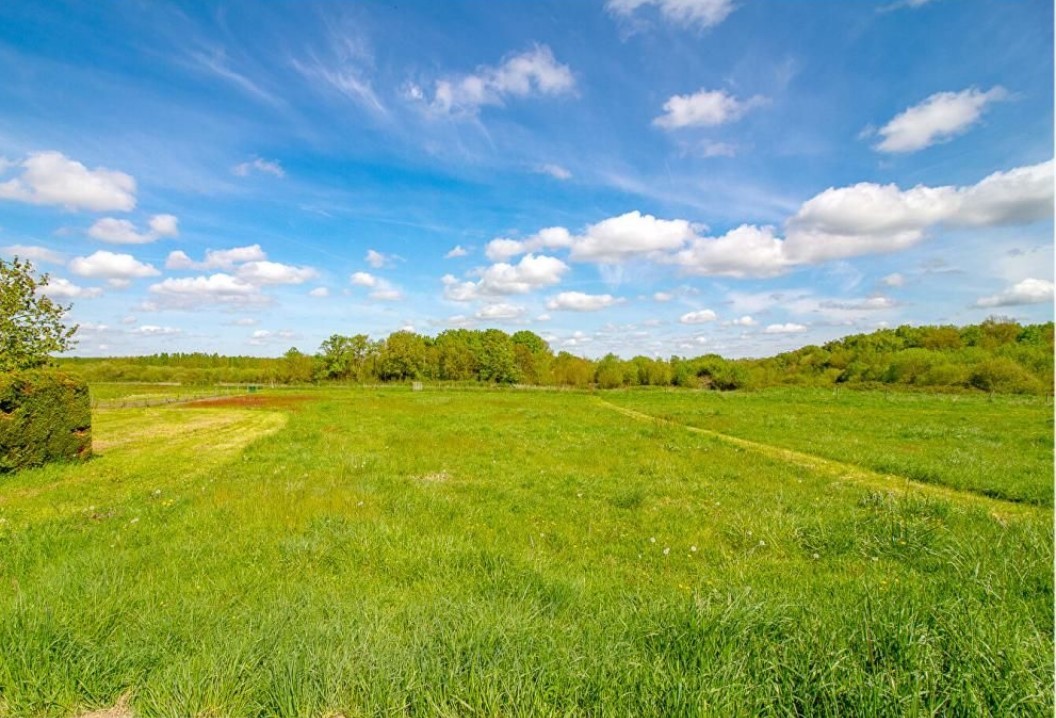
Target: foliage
[[45, 416], [31, 324], [995, 356]]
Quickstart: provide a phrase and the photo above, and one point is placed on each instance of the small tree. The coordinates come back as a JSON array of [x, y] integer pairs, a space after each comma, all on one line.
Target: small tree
[[31, 324]]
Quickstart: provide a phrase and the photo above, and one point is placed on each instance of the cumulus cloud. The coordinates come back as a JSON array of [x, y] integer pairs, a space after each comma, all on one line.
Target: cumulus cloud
[[531, 273], [455, 252], [788, 328], [319, 293], [687, 13], [629, 235], [123, 231], [153, 330], [745, 321], [219, 288], [704, 108], [940, 117], [501, 248], [893, 280], [580, 302], [217, 258], [53, 178], [264, 272], [701, 316], [534, 72], [869, 218], [382, 289], [500, 312], [747, 251], [59, 288], [32, 253], [663, 296], [271, 167], [1028, 291], [117, 269], [838, 223], [377, 260]]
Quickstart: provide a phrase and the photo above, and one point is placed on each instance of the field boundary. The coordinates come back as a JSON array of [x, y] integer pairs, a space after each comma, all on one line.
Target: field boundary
[[1000, 508]]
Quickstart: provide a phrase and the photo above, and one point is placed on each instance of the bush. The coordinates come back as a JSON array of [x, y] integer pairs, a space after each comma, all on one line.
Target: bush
[[45, 415], [1004, 376]]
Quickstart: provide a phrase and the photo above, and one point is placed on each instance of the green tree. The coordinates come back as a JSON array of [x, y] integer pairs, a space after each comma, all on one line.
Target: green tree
[[403, 356], [31, 324], [497, 358]]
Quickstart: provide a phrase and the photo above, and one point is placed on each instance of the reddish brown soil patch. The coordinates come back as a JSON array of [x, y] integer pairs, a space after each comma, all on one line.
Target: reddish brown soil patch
[[252, 401]]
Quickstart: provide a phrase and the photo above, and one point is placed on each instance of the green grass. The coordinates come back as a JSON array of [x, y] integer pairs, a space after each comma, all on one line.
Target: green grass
[[119, 395], [383, 552], [1000, 446]]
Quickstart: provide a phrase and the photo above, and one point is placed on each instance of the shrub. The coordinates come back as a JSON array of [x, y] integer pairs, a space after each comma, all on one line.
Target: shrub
[[45, 415]]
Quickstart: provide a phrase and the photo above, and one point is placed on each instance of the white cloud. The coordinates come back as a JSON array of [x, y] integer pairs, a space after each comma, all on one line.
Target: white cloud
[[629, 235], [940, 117], [52, 178], [364, 279], [580, 302], [217, 258], [869, 304], [319, 292], [500, 312], [747, 251], [386, 293], [838, 223], [663, 296], [271, 167], [704, 108], [555, 171], [59, 288], [35, 254], [869, 218], [457, 251], [698, 317], [264, 272], [745, 321], [376, 259], [531, 273], [153, 330], [117, 269], [383, 289], [534, 72], [123, 231], [1029, 291], [894, 280], [688, 13], [190, 292], [789, 328]]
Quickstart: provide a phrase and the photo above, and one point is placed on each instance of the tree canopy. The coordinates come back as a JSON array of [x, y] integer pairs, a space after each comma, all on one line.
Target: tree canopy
[[31, 324]]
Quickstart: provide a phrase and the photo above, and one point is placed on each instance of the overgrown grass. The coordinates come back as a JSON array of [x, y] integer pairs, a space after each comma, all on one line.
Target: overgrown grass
[[501, 553], [999, 446]]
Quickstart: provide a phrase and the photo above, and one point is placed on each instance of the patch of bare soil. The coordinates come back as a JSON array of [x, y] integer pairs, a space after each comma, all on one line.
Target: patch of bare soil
[[251, 401]]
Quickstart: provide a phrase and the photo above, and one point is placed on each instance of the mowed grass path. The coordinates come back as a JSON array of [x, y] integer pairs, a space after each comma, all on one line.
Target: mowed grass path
[[1000, 446], [373, 552]]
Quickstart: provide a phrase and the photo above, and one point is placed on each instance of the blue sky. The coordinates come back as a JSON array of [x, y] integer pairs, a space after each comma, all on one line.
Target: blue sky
[[640, 176]]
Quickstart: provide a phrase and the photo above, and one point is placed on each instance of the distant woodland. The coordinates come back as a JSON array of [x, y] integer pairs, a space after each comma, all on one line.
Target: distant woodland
[[995, 356]]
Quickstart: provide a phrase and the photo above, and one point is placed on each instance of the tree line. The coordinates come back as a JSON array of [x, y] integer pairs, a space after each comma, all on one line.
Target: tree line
[[998, 355]]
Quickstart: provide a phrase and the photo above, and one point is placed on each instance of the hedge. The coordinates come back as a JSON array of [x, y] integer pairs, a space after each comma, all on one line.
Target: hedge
[[45, 415]]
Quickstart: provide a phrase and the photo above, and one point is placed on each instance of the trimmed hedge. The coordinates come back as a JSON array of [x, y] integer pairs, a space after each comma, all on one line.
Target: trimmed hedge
[[45, 415]]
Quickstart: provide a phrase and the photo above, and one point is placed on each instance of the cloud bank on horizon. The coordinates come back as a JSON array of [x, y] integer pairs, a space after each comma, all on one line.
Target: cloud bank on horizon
[[636, 176]]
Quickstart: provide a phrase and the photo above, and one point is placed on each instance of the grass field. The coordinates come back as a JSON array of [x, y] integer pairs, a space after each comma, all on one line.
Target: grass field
[[383, 552]]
